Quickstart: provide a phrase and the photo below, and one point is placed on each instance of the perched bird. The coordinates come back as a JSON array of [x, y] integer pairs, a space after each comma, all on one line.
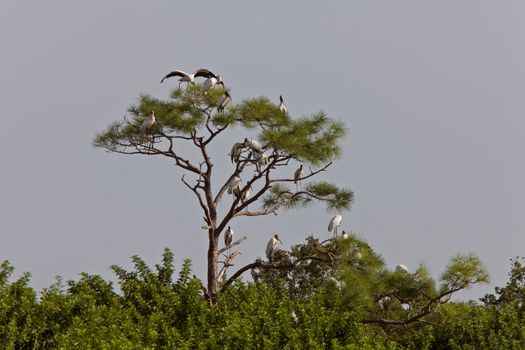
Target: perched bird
[[345, 235], [401, 268], [234, 183], [298, 175], [237, 191], [263, 159], [148, 121], [282, 107], [235, 153], [223, 101], [272, 244], [228, 237], [210, 83], [188, 78], [260, 159], [335, 223], [253, 145], [246, 194]]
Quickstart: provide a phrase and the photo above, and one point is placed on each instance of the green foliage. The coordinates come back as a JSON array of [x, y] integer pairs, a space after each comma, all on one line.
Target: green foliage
[[310, 139], [319, 304]]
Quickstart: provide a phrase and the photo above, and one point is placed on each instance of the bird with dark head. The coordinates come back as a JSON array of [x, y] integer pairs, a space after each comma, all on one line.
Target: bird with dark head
[[282, 107], [272, 245], [223, 101]]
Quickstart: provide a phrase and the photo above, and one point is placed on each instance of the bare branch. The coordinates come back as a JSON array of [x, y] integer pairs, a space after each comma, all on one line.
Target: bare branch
[[194, 189], [226, 264], [312, 173], [237, 242], [262, 265]]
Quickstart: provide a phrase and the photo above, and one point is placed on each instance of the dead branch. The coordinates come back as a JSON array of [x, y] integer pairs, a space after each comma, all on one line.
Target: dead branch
[[237, 242]]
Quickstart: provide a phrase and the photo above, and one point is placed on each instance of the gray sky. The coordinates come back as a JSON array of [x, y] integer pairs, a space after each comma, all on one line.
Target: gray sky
[[433, 95]]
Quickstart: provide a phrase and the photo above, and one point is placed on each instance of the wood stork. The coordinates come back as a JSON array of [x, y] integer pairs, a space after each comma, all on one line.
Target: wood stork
[[298, 175], [401, 268], [253, 145], [282, 107], [211, 82], [246, 194], [234, 184], [335, 223], [345, 235], [228, 237], [148, 122], [272, 244], [223, 101], [260, 159], [237, 191], [188, 78], [235, 153]]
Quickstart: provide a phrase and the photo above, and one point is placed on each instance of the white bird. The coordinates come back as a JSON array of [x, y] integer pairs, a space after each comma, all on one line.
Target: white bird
[[210, 83], [263, 159], [260, 159], [401, 268], [335, 223], [272, 244], [188, 78], [235, 153], [223, 101], [148, 122], [246, 194], [335, 282], [254, 145], [294, 316], [234, 183], [228, 237], [345, 235], [282, 107], [237, 191], [298, 175]]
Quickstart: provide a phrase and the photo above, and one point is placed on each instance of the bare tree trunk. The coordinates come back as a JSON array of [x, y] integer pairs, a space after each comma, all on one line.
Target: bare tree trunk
[[213, 255]]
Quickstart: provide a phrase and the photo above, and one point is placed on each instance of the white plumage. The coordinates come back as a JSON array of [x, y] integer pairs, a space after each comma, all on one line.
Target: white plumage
[[335, 223], [263, 159], [210, 83], [282, 107], [234, 183], [401, 268], [223, 101], [148, 122], [188, 78], [253, 145], [260, 159], [272, 244], [228, 237], [246, 194]]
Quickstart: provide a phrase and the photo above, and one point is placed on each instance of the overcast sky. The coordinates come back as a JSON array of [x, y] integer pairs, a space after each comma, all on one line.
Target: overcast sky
[[433, 96]]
